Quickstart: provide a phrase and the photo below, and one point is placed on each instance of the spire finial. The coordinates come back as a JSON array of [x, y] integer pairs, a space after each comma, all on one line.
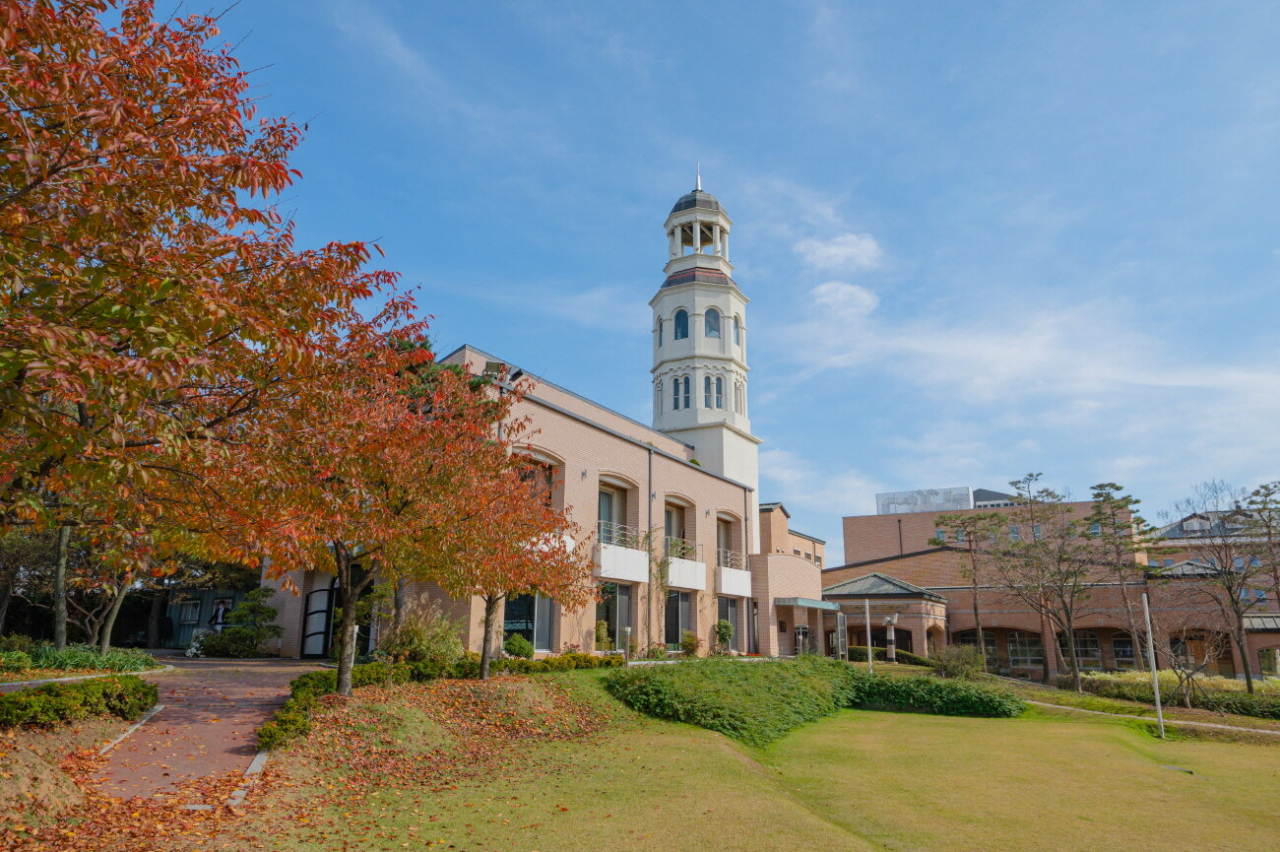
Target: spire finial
[[698, 186]]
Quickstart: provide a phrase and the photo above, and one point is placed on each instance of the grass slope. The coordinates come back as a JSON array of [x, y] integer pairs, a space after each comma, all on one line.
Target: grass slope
[[1041, 782]]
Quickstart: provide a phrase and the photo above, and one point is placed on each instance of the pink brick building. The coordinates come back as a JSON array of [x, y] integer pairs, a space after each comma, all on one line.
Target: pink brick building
[[680, 538]]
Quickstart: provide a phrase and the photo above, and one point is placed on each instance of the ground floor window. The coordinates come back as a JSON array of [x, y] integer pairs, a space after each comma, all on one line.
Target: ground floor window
[[679, 617], [728, 611], [1122, 651], [970, 637], [613, 617], [1026, 651], [531, 616], [1088, 649]]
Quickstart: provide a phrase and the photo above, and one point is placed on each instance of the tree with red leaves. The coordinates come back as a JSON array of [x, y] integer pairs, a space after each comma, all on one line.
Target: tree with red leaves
[[155, 314]]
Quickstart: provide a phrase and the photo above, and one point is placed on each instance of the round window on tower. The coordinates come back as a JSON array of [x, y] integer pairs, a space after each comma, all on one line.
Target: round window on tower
[[713, 322]]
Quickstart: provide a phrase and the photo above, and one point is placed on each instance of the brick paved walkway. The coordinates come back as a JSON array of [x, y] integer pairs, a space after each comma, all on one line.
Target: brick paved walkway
[[211, 710]]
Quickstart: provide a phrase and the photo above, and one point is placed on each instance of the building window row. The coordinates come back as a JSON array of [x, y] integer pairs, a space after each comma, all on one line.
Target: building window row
[[712, 322]]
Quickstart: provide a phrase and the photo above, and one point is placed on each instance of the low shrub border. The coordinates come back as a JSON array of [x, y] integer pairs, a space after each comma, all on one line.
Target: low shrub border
[[1240, 703], [760, 703], [126, 696], [858, 654], [294, 718]]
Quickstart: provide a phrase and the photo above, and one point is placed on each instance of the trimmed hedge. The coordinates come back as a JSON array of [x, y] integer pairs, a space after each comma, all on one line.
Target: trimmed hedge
[[858, 654], [294, 718], [126, 696], [1265, 706], [758, 703]]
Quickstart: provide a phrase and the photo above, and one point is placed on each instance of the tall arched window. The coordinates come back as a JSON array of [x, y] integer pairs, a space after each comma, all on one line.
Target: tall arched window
[[682, 325], [712, 322], [737, 331], [706, 392], [719, 392], [687, 395], [659, 332], [675, 395]]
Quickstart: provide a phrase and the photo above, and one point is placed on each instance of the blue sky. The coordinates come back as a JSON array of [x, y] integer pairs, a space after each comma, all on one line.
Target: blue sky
[[979, 239]]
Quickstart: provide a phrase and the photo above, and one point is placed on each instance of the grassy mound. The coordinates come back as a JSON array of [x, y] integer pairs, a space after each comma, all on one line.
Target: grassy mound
[[758, 703]]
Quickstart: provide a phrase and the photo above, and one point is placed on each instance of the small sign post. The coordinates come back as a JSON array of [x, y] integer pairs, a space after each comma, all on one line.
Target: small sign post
[[1151, 661], [871, 654]]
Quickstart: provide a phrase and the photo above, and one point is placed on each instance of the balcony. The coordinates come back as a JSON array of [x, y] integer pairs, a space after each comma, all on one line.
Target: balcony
[[735, 582], [685, 567], [619, 554]]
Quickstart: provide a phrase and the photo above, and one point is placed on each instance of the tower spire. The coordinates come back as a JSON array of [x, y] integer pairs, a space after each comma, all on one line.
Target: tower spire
[[698, 185]]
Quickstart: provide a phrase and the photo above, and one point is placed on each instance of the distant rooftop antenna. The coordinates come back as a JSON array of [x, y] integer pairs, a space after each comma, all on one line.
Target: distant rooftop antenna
[[698, 186]]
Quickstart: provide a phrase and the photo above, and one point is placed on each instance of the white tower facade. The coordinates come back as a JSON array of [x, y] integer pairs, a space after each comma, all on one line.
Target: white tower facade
[[700, 344]]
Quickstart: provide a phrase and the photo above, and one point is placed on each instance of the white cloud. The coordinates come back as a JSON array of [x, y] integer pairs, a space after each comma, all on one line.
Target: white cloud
[[812, 490], [847, 252]]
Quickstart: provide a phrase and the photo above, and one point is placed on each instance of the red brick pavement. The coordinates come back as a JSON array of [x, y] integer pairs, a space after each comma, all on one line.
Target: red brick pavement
[[212, 709]]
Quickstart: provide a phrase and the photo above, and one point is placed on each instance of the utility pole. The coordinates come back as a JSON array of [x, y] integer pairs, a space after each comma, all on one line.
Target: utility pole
[[1151, 660]]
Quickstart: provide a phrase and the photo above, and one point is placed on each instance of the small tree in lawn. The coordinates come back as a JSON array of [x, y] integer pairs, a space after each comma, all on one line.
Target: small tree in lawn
[[977, 534], [1048, 568], [1115, 531], [1228, 555]]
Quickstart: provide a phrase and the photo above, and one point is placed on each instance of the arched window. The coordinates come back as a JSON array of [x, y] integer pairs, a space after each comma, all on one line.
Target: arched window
[[687, 395], [1026, 651], [682, 325], [712, 322], [675, 395], [657, 396], [659, 332], [1088, 649], [737, 331], [719, 392]]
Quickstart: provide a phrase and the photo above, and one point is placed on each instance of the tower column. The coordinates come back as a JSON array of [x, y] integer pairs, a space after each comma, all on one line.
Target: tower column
[[697, 236], [715, 238], [724, 245]]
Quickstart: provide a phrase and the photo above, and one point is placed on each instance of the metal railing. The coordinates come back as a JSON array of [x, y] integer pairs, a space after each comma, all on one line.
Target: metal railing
[[678, 548], [729, 559], [620, 535]]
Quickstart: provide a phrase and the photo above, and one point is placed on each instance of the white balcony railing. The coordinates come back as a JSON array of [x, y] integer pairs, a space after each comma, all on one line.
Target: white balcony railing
[[729, 559], [685, 566], [619, 554]]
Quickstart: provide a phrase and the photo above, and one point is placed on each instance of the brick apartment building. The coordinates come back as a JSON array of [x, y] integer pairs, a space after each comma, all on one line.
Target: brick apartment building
[[901, 547]]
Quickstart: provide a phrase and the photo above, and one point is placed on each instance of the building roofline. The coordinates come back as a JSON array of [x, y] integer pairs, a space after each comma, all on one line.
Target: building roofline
[[603, 428], [806, 535], [894, 558]]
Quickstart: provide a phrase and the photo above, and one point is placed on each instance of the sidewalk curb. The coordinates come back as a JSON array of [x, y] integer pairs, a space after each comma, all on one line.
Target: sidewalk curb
[[144, 720], [26, 683]]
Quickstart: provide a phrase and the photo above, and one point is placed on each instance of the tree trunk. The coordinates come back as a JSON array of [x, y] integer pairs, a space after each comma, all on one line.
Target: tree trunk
[[114, 611], [1074, 660], [6, 595], [347, 629], [60, 590], [159, 603], [1239, 639], [398, 602], [977, 617], [486, 648], [1139, 658]]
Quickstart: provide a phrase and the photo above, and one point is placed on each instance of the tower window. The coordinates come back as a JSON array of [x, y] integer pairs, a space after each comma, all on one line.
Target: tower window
[[706, 388], [682, 325], [659, 332], [719, 393], [737, 331], [712, 323], [675, 395], [687, 403]]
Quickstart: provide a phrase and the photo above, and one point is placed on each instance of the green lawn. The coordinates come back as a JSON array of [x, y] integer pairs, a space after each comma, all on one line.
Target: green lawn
[[599, 777]]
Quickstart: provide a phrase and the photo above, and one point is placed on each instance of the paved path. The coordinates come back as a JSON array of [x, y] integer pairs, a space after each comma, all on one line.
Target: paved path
[[1152, 719], [212, 709]]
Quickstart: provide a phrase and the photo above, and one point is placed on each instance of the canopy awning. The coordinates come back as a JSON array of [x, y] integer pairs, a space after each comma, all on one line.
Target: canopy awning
[[807, 603], [1261, 622]]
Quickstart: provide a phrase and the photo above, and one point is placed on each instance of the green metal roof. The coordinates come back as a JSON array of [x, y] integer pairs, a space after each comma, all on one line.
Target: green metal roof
[[808, 603]]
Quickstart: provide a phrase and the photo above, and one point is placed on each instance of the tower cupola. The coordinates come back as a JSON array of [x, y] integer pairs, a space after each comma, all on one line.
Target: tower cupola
[[700, 342]]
